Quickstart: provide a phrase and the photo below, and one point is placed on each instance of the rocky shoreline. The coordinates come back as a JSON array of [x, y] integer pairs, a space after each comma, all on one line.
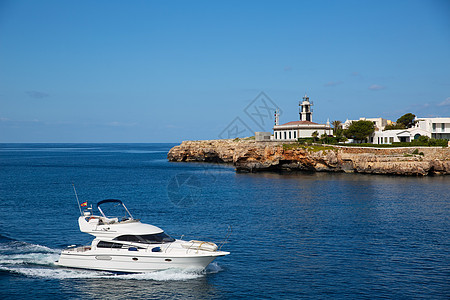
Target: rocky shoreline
[[251, 156]]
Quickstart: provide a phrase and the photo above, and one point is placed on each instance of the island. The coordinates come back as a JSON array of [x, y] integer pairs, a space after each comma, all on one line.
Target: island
[[248, 155]]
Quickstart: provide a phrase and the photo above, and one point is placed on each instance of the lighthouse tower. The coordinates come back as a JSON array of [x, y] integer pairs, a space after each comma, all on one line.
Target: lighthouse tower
[[305, 109]]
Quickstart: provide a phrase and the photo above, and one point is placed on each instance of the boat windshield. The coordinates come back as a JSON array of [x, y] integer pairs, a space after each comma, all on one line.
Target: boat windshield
[[158, 238]]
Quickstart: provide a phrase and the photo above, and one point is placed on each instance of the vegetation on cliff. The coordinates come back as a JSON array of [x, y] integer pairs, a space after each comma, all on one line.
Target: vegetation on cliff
[[308, 147]]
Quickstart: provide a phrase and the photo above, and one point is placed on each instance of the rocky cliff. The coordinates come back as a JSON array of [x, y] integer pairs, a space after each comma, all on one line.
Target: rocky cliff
[[251, 156]]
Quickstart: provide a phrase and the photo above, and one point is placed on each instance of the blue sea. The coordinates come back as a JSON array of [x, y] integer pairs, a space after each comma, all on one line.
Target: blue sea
[[294, 236]]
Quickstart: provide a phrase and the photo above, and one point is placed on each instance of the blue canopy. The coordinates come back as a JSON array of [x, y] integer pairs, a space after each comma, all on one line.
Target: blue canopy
[[109, 201]]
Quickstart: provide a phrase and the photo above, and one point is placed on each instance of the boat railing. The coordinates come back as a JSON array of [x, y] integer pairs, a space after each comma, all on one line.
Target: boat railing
[[199, 246], [189, 247], [167, 248], [150, 247], [227, 236]]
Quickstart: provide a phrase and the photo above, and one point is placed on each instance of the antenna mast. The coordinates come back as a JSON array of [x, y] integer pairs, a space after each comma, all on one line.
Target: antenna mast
[[78, 201], [277, 116]]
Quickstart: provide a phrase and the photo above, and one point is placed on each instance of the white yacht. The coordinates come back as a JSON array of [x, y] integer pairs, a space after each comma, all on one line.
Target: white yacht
[[127, 245]]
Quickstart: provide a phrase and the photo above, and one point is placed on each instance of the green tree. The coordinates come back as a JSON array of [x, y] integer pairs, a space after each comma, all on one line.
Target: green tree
[[394, 126], [359, 130], [314, 135], [336, 125], [407, 120]]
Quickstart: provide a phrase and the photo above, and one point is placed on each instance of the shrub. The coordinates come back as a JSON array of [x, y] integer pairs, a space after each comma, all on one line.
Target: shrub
[[428, 142], [305, 140], [394, 127]]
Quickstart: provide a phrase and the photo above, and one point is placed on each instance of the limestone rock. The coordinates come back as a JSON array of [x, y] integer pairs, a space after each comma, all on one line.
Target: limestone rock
[[251, 156]]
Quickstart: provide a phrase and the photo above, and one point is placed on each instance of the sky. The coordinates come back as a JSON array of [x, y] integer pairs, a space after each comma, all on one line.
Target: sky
[[167, 71]]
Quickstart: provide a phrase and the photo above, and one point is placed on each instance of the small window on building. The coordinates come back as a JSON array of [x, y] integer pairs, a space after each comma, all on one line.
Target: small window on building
[[295, 134], [385, 140], [391, 140], [285, 135], [443, 126], [289, 135], [434, 126]]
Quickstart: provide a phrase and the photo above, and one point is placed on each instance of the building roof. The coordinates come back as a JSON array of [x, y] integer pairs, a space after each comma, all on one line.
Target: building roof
[[300, 123]]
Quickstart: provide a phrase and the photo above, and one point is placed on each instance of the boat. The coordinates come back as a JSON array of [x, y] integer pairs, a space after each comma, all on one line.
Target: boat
[[125, 245]]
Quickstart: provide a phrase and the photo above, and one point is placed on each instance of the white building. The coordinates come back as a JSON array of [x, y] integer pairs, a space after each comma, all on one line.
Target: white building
[[397, 135], [304, 128], [379, 123], [438, 128], [263, 136]]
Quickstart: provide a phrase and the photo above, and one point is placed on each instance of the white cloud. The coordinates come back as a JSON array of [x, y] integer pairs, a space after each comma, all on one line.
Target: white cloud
[[121, 124], [376, 87], [37, 94], [333, 83], [446, 102]]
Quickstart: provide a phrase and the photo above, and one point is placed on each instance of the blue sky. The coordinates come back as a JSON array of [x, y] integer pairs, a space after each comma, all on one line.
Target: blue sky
[[167, 71]]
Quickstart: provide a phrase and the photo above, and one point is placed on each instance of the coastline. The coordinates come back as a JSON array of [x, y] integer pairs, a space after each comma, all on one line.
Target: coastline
[[251, 156]]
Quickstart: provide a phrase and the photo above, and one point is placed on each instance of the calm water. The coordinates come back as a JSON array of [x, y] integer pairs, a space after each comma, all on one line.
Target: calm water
[[297, 236]]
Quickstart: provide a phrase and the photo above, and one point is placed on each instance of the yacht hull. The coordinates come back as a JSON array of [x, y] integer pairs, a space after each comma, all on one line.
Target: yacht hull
[[134, 263]]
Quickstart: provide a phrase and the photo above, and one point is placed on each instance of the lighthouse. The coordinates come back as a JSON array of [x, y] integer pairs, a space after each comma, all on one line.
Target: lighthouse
[[305, 109], [305, 128]]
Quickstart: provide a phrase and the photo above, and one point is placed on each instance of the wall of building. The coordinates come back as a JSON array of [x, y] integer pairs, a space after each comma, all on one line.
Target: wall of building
[[294, 134], [262, 136], [394, 136]]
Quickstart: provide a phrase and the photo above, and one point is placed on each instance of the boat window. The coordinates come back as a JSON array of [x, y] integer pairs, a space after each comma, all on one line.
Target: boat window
[[103, 244], [158, 238], [128, 238]]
